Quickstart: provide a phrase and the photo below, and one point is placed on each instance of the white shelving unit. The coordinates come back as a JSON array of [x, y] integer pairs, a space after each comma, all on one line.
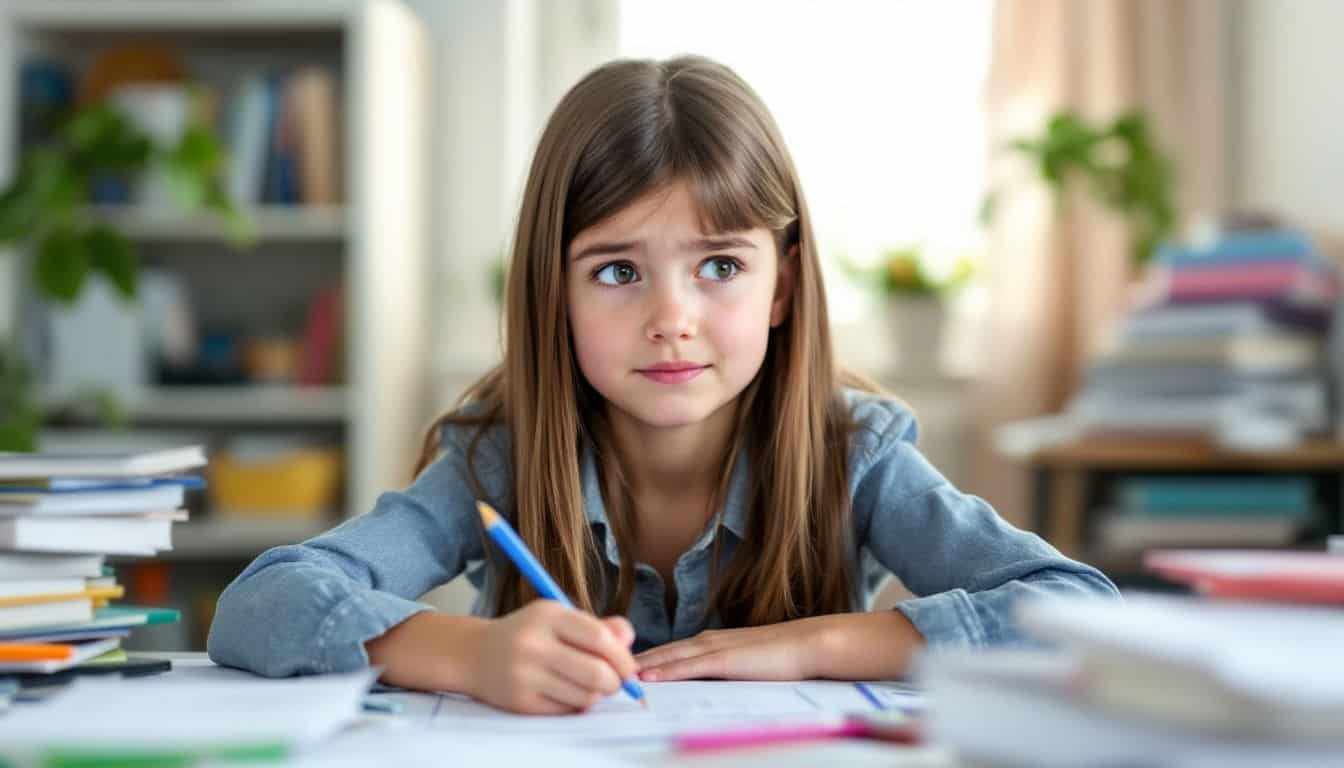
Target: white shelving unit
[[271, 224], [236, 538], [376, 240]]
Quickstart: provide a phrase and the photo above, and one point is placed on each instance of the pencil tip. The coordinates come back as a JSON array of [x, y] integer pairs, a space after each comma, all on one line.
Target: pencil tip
[[644, 702], [487, 512]]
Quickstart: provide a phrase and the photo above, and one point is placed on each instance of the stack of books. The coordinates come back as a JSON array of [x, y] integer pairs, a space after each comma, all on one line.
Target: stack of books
[[1153, 680], [1222, 511], [1229, 343], [60, 517]]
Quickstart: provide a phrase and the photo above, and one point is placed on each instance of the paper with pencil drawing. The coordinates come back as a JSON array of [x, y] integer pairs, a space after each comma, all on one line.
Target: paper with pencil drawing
[[673, 707]]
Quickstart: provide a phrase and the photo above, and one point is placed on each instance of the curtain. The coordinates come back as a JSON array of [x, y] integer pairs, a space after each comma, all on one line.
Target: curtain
[[1059, 274]]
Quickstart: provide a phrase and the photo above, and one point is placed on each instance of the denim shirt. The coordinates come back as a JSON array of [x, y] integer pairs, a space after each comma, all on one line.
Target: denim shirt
[[310, 607]]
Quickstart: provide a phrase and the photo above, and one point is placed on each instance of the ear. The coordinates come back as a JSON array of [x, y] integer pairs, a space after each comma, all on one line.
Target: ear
[[784, 282]]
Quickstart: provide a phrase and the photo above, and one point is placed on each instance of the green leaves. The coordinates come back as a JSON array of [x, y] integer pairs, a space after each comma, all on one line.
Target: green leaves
[[19, 414], [42, 206], [66, 255], [110, 253], [101, 138], [1120, 163], [61, 265]]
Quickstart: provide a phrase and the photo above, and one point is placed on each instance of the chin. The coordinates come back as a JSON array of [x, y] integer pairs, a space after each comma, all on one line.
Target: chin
[[670, 412]]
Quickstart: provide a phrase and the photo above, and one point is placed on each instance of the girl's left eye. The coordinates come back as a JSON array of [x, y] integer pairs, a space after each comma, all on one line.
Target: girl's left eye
[[720, 268]]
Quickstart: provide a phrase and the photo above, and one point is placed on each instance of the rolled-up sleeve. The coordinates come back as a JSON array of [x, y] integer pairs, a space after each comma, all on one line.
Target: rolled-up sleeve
[[966, 564], [309, 608]]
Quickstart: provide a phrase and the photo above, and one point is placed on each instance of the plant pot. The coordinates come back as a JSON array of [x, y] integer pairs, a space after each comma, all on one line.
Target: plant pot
[[916, 328]]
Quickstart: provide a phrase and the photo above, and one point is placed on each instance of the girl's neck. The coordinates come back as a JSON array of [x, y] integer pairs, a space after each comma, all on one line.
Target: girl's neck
[[673, 462]]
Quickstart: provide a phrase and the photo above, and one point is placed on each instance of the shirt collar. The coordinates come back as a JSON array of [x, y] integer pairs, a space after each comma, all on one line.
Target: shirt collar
[[732, 513]]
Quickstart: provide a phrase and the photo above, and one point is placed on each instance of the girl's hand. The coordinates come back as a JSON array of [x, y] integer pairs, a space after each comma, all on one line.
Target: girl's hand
[[546, 659], [846, 646]]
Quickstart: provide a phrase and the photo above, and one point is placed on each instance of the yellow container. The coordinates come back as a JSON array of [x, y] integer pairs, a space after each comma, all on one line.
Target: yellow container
[[299, 483]]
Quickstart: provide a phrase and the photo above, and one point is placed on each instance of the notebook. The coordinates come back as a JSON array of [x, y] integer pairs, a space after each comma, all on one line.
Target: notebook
[[92, 502], [1220, 666], [20, 617], [1304, 577], [80, 652], [111, 617], [43, 565], [37, 587], [38, 465], [141, 535]]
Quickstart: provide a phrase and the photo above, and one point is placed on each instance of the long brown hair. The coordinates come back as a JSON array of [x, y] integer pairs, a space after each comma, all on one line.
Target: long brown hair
[[626, 129]]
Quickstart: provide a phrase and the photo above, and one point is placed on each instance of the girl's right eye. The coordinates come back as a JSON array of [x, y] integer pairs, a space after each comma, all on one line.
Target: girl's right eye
[[616, 273]]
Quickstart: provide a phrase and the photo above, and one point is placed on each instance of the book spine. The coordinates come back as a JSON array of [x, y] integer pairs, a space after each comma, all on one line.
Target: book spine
[[1241, 247], [1217, 496], [1245, 278]]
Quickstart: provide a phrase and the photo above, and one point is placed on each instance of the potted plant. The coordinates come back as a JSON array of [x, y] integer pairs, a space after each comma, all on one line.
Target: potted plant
[[43, 211], [1120, 164], [915, 298]]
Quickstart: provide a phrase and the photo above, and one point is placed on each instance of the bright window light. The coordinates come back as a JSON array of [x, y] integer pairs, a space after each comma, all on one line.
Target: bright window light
[[880, 103]]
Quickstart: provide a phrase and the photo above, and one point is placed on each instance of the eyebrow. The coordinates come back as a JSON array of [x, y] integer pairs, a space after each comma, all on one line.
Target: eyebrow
[[699, 244]]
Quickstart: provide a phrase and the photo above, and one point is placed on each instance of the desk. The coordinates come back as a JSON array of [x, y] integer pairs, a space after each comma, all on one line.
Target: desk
[[847, 753]]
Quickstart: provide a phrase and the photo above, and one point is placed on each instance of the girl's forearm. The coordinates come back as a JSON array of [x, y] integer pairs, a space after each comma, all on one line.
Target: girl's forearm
[[430, 651], [865, 646]]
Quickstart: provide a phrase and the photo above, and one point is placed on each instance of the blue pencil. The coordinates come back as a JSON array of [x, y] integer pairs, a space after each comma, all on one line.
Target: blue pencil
[[504, 535]]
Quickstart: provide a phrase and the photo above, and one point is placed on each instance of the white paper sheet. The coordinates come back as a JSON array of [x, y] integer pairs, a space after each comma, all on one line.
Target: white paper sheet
[[673, 708], [183, 712]]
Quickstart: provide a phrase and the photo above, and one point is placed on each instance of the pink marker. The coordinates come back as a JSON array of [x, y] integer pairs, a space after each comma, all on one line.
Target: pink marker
[[887, 727]]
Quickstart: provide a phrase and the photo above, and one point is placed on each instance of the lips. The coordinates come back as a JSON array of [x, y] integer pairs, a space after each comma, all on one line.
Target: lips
[[672, 372]]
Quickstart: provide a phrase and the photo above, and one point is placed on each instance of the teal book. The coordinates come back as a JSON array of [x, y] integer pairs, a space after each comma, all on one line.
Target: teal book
[[108, 617], [1287, 497]]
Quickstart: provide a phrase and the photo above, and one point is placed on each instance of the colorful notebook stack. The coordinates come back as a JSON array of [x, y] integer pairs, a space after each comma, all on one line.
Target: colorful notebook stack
[[60, 516], [1241, 511], [1230, 344]]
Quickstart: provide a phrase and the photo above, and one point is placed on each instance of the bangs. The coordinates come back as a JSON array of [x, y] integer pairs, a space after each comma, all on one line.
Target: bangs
[[684, 125]]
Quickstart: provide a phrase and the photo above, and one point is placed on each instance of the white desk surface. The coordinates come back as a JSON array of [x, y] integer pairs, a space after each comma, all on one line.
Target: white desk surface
[[857, 753]]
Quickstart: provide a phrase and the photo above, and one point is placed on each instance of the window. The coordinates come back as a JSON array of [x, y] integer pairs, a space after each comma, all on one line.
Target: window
[[880, 103]]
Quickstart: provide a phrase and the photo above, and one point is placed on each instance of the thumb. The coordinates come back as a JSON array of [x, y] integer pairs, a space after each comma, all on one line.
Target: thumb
[[621, 629]]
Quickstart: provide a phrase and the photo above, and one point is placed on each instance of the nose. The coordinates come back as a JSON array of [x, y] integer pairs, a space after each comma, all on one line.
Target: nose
[[673, 316]]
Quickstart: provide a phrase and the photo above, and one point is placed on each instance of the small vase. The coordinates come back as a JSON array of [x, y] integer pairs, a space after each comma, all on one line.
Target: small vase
[[916, 329]]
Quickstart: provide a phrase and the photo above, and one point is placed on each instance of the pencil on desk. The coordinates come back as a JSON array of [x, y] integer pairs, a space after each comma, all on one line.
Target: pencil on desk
[[504, 535]]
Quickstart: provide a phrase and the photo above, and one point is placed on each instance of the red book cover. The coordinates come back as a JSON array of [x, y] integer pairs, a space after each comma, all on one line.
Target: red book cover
[[1274, 575], [321, 337]]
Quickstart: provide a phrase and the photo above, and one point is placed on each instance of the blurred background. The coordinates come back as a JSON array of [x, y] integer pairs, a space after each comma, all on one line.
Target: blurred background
[[1091, 243]]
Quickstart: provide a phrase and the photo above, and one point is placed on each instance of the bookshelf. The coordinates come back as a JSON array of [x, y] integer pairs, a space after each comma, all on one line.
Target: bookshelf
[[372, 242], [1071, 480]]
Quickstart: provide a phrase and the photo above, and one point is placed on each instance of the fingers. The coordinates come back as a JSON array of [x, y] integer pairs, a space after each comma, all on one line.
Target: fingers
[[675, 651], [589, 634], [621, 629], [708, 665], [590, 673], [570, 695]]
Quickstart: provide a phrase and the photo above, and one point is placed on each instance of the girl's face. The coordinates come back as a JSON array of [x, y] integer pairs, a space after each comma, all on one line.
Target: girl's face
[[671, 323]]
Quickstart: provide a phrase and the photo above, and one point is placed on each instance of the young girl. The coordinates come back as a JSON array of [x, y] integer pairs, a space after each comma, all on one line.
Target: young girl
[[669, 435]]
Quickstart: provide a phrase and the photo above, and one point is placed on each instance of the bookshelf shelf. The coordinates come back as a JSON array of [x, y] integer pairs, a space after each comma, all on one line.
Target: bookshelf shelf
[[225, 405], [234, 538], [270, 223]]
